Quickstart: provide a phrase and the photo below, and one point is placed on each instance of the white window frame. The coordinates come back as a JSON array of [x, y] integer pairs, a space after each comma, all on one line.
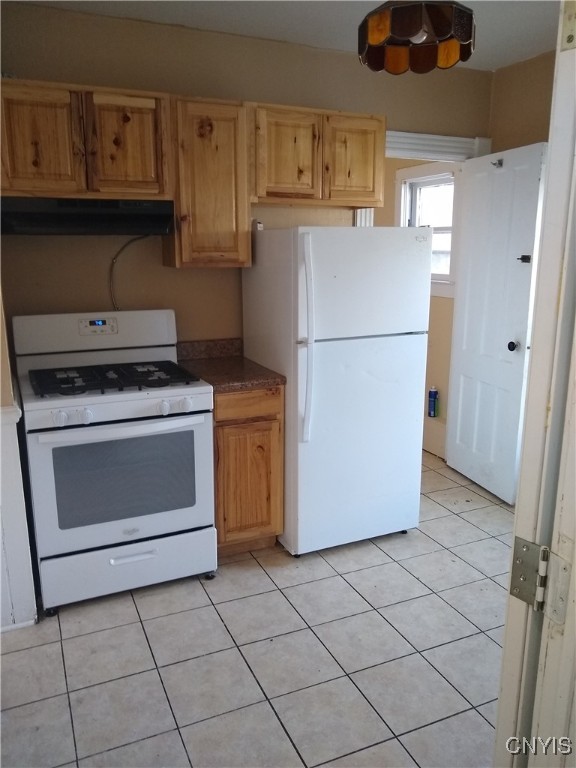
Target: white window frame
[[441, 285]]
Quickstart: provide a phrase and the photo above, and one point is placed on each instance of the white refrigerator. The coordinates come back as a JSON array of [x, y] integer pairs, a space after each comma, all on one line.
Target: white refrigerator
[[342, 312]]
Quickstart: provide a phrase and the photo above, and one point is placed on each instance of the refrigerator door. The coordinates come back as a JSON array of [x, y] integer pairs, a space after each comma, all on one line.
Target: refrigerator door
[[358, 474], [364, 282]]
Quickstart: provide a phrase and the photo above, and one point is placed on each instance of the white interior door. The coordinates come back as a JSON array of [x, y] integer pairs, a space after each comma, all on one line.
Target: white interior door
[[538, 657], [554, 704], [496, 236]]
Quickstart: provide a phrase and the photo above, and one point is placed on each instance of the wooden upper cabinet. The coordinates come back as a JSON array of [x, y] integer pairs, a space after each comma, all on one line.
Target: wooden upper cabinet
[[64, 141], [213, 213], [42, 141], [317, 157], [126, 142], [288, 152], [354, 158]]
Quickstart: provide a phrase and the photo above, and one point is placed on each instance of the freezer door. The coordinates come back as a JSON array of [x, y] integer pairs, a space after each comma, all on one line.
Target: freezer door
[[357, 472], [357, 282]]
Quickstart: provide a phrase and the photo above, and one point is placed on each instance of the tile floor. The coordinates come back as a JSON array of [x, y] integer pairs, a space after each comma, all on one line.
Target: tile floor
[[384, 653]]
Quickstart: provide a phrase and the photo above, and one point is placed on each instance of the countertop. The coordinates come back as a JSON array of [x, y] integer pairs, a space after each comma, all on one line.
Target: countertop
[[232, 373]]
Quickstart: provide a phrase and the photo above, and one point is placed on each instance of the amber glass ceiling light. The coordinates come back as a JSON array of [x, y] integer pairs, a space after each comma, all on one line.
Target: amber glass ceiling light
[[400, 36]]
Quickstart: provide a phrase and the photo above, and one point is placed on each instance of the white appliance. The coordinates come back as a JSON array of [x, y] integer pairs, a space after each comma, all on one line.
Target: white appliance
[[120, 459], [343, 314]]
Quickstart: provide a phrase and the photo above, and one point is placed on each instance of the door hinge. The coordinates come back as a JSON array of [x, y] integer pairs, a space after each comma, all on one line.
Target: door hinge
[[540, 578]]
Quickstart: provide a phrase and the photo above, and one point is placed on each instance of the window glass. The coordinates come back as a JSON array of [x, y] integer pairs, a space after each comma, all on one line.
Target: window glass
[[434, 205], [426, 197], [132, 477], [428, 202], [441, 246]]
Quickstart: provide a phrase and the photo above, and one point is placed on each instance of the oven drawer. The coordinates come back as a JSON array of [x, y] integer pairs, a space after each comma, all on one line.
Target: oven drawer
[[115, 569]]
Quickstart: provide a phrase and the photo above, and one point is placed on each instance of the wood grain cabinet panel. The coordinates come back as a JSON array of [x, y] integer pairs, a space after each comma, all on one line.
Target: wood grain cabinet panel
[[253, 404], [42, 141], [61, 141], [213, 212], [127, 143], [249, 445], [289, 154], [354, 159], [316, 157], [248, 481]]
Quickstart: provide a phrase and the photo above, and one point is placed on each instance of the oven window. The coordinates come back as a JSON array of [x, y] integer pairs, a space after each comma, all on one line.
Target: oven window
[[117, 479]]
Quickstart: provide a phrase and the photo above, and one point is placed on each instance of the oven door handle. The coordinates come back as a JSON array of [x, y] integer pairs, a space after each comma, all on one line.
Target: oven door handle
[[128, 559], [97, 434]]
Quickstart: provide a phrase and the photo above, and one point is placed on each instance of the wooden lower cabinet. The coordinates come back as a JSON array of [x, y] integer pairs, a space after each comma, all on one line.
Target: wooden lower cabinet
[[249, 446]]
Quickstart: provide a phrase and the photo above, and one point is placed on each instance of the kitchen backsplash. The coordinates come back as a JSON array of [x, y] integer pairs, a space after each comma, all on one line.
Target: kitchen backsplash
[[194, 350]]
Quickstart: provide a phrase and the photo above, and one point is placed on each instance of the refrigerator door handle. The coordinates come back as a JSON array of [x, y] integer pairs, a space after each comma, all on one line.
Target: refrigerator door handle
[[309, 276], [308, 397], [307, 421]]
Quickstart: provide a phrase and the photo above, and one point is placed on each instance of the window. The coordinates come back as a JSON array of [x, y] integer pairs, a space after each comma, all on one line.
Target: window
[[431, 206], [427, 201]]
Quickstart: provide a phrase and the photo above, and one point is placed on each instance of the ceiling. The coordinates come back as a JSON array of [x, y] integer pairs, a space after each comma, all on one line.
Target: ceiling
[[507, 31]]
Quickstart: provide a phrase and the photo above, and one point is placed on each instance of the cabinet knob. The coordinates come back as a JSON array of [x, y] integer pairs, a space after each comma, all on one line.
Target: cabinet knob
[[184, 218]]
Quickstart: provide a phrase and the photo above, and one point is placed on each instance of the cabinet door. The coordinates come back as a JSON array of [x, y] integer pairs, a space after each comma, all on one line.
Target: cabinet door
[[127, 143], [213, 209], [354, 159], [42, 147], [248, 481], [289, 159]]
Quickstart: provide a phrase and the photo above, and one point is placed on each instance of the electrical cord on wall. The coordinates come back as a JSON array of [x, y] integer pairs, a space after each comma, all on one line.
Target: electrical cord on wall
[[113, 265]]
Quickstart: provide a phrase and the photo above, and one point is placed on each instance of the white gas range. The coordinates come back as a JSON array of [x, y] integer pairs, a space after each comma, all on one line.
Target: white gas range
[[120, 456]]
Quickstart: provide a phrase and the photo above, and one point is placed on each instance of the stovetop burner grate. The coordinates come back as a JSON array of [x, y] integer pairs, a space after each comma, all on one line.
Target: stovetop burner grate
[[75, 380]]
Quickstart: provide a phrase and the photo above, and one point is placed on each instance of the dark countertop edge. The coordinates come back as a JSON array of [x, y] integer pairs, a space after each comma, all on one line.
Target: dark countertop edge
[[233, 373]]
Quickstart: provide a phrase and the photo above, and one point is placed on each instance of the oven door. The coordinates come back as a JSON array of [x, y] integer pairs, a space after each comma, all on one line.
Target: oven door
[[116, 483]]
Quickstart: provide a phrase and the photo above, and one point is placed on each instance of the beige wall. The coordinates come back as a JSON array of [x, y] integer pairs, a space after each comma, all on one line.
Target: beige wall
[[51, 44], [521, 102], [440, 325], [386, 216], [67, 274], [71, 274], [438, 371]]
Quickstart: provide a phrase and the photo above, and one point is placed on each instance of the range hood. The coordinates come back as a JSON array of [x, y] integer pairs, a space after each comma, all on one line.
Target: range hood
[[67, 216]]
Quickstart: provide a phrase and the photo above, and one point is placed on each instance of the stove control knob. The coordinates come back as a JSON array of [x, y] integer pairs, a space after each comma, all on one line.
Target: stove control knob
[[187, 404], [87, 416], [60, 418], [164, 407]]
